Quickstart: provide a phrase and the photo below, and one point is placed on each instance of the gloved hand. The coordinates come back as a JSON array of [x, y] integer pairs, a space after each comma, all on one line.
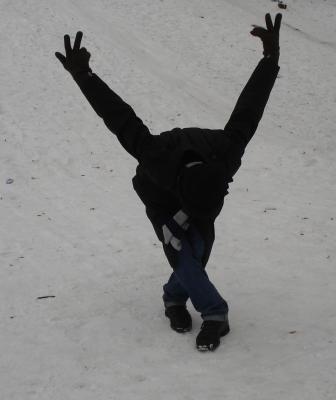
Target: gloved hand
[[190, 247], [173, 227], [269, 36], [76, 60]]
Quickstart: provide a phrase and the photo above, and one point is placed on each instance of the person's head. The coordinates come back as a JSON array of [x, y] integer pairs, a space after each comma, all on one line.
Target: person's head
[[201, 189]]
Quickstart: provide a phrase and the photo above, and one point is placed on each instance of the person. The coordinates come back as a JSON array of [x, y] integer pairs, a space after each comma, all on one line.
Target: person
[[182, 178]]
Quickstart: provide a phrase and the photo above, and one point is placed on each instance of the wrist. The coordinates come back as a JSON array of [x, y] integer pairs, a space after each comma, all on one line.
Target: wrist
[[82, 74], [273, 55]]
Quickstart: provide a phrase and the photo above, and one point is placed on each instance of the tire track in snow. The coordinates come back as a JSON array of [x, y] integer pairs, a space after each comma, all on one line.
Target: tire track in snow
[[311, 38], [253, 10]]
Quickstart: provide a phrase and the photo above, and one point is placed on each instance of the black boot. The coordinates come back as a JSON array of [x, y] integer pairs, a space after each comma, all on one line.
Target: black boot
[[180, 319], [210, 334]]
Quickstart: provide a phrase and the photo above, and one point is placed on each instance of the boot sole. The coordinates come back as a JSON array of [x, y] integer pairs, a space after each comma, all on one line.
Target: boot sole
[[181, 330]]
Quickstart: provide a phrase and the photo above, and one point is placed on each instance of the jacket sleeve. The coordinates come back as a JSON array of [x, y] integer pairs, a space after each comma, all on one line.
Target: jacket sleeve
[[251, 103], [118, 116]]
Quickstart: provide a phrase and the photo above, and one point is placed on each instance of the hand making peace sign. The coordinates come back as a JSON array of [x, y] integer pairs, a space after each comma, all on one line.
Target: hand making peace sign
[[76, 59], [269, 36]]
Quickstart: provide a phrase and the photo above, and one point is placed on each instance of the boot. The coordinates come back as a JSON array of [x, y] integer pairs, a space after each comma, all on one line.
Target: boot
[[180, 319], [210, 334]]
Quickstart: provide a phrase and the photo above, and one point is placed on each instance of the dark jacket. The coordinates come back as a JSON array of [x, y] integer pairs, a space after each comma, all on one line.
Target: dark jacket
[[161, 156]]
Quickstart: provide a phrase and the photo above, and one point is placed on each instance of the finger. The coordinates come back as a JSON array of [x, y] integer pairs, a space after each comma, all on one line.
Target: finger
[[85, 53], [277, 22], [259, 31], [67, 45], [60, 57], [258, 27], [269, 22], [78, 40]]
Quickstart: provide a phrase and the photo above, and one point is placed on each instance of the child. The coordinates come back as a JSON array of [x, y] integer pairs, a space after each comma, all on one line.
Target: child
[[182, 178]]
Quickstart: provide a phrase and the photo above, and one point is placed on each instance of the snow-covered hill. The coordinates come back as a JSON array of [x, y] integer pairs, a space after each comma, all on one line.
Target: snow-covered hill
[[72, 227]]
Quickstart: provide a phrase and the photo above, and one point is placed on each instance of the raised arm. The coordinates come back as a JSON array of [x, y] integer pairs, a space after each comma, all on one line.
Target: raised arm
[[118, 116], [252, 101]]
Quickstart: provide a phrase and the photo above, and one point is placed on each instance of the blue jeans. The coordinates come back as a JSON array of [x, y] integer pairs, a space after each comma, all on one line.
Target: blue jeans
[[190, 280]]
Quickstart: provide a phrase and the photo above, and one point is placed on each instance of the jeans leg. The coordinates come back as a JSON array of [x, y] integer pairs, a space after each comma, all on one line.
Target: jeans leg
[[193, 278], [173, 292], [189, 278]]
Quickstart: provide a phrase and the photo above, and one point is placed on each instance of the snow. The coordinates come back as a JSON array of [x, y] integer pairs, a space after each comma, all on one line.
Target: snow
[[73, 227]]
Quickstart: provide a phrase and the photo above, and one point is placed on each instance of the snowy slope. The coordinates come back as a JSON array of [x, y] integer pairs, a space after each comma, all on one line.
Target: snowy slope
[[72, 226]]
